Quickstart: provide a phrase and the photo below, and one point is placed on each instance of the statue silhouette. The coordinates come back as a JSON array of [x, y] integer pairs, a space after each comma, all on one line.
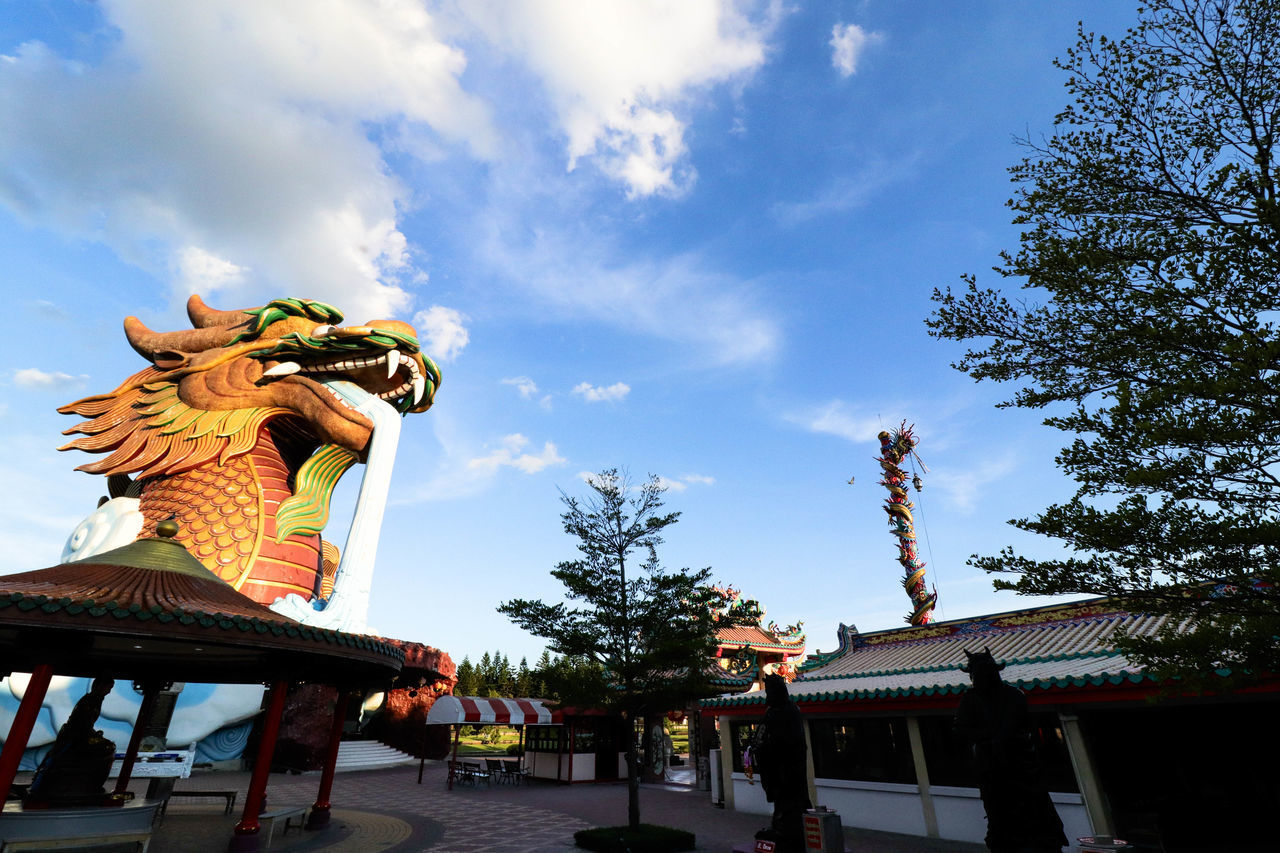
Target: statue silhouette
[[778, 751], [993, 717], [75, 768]]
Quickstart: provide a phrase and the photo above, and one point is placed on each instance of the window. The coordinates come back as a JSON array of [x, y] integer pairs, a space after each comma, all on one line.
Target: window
[[950, 759], [865, 749], [544, 738], [584, 738], [740, 733]]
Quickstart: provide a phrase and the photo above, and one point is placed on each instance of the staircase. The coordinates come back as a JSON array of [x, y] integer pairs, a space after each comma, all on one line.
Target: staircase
[[369, 755]]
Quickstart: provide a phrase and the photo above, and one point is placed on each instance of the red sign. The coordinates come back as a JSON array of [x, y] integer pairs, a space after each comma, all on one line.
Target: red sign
[[763, 846]]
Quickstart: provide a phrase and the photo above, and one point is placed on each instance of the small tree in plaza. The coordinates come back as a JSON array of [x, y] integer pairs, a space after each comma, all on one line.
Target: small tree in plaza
[[651, 632], [1151, 231]]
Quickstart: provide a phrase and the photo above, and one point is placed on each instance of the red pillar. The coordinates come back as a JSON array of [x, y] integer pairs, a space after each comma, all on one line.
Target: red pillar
[[246, 831], [23, 722], [149, 693], [319, 817]]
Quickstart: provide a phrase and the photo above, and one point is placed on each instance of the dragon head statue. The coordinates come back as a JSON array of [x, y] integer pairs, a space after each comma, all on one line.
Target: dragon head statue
[[241, 425]]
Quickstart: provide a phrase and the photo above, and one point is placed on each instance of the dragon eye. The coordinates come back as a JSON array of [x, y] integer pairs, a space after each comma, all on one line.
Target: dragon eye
[[322, 331]]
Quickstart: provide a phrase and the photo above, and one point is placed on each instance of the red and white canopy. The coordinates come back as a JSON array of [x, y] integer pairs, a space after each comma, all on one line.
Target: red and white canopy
[[474, 711]]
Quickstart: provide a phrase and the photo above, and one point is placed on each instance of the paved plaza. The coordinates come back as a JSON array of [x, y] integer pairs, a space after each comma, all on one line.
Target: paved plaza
[[387, 810]]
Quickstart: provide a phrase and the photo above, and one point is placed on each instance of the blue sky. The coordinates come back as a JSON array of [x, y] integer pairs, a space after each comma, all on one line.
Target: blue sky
[[692, 239]]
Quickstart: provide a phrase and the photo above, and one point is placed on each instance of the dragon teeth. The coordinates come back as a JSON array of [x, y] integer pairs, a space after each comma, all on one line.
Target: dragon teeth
[[393, 359], [284, 368]]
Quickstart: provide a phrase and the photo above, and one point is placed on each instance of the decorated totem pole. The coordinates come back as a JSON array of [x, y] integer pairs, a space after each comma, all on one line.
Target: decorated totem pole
[[895, 447]]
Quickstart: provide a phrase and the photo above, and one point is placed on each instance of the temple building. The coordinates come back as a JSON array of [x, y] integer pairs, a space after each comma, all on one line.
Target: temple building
[[745, 654], [1121, 752]]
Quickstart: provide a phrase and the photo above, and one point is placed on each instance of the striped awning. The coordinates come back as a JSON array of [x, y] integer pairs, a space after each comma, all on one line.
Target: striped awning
[[475, 711]]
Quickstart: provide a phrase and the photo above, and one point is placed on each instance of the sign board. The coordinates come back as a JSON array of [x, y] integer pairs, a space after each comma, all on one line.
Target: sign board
[[175, 762]]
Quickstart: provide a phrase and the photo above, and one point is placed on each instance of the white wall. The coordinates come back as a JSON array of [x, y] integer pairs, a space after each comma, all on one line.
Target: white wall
[[1075, 817], [584, 768], [749, 797], [962, 818], [542, 765], [960, 813], [885, 806]]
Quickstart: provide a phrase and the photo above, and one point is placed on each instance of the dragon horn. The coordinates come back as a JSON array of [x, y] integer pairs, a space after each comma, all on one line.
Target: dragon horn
[[204, 317], [149, 344]]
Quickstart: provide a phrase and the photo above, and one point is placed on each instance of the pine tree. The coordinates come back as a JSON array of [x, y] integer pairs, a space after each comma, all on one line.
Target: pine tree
[[650, 630]]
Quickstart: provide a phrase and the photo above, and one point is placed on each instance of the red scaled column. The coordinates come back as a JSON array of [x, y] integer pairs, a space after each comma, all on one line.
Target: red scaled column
[[246, 832], [319, 817], [23, 722]]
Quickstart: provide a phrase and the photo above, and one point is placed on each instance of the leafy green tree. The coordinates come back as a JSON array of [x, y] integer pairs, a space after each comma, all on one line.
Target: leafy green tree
[[649, 629], [1151, 252]]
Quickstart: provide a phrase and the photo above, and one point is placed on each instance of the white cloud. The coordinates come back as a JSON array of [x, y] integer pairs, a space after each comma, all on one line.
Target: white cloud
[[443, 334], [582, 274], [510, 455], [35, 378], [621, 74], [199, 271], [963, 487], [835, 419], [526, 386], [848, 41], [596, 394], [679, 484], [850, 191], [238, 132]]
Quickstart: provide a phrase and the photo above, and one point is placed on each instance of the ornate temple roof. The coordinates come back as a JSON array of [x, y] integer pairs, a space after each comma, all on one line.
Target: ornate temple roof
[[758, 636], [760, 639], [1059, 647], [151, 610]]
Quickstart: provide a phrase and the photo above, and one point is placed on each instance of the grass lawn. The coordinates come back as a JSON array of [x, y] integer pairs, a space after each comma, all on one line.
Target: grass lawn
[[680, 740], [476, 745]]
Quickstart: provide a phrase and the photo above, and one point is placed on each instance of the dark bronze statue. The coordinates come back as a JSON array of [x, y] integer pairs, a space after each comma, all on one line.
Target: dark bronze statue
[[75, 768], [779, 753], [993, 717]]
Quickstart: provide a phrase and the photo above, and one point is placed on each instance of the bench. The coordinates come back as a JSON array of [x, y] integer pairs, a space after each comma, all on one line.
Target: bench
[[286, 812], [86, 827], [141, 839], [229, 796], [473, 771]]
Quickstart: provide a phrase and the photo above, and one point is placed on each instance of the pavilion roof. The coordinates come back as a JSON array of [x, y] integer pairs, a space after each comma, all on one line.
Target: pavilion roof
[[150, 610]]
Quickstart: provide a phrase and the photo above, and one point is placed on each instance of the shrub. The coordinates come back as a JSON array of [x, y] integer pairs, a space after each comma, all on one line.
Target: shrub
[[514, 749], [647, 839]]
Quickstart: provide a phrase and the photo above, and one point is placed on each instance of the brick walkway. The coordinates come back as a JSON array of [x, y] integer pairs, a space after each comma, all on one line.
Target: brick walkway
[[386, 810]]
